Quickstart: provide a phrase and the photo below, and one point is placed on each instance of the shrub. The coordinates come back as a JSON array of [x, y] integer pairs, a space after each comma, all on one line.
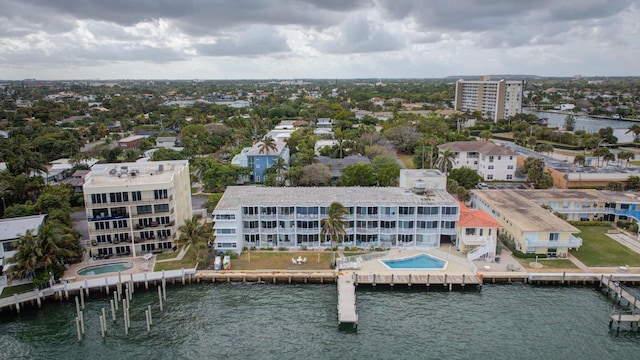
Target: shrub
[[282, 248], [522, 255], [252, 248], [303, 248], [231, 254], [590, 223]]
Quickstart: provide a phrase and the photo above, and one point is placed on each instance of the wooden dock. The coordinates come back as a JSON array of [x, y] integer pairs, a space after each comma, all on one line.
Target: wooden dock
[[626, 298], [274, 277], [347, 316], [444, 281]]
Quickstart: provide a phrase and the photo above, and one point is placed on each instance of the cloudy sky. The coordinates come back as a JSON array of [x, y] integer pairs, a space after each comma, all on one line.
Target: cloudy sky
[[247, 39]]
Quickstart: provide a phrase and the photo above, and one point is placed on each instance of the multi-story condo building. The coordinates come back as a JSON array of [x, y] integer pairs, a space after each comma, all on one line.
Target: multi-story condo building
[[495, 99], [291, 217], [10, 232], [491, 161], [136, 208], [532, 228]]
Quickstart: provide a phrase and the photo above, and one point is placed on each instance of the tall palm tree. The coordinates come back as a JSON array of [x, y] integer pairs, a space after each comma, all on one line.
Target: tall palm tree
[[485, 135], [279, 167], [446, 160], [196, 234], [579, 159], [267, 146], [334, 226]]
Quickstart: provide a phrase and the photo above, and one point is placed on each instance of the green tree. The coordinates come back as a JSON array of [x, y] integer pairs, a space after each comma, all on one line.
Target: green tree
[[310, 175], [196, 234], [358, 174], [267, 146], [163, 154], [534, 170], [626, 155], [39, 255], [466, 177], [614, 186], [579, 159], [386, 169], [635, 129], [633, 182], [446, 160], [569, 123], [334, 226], [111, 154], [485, 135]]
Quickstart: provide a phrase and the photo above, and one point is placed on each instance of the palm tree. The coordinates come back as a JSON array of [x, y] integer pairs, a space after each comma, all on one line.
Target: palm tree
[[635, 129], [334, 226], [485, 135], [626, 155], [609, 156], [601, 151], [279, 167], [579, 159], [268, 146], [446, 160], [196, 234], [40, 253]]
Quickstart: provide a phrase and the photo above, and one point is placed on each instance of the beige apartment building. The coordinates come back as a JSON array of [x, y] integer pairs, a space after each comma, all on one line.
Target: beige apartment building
[[136, 208], [496, 99]]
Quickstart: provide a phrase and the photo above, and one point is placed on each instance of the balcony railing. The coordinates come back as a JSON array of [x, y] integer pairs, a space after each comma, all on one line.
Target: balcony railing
[[573, 242]]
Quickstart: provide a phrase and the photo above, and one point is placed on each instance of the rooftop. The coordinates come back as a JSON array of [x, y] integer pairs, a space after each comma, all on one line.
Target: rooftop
[[483, 147], [132, 138], [126, 174], [522, 211], [591, 195], [255, 149], [15, 227], [474, 218], [237, 196]]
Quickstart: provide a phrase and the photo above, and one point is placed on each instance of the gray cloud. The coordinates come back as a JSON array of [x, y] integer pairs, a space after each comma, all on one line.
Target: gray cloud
[[360, 35], [257, 40]]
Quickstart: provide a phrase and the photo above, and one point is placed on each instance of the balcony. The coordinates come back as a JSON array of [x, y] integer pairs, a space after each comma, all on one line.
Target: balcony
[[308, 231], [362, 230], [105, 218], [251, 230], [573, 242]]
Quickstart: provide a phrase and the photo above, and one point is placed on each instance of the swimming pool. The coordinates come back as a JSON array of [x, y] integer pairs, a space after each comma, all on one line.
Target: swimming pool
[[417, 262], [105, 268]]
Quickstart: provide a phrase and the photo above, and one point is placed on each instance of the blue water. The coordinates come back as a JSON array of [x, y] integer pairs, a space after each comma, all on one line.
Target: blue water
[[264, 321], [106, 268], [422, 261]]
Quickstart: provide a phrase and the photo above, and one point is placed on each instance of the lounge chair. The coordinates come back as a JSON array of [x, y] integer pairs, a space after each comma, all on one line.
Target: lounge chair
[[304, 259], [293, 261]]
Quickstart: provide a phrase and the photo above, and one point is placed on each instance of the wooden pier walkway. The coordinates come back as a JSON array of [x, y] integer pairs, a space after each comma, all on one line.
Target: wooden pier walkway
[[444, 280], [347, 315], [622, 294]]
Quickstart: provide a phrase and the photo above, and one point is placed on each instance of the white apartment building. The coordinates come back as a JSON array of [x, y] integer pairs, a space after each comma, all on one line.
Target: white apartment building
[[495, 99], [290, 217], [490, 161], [136, 208]]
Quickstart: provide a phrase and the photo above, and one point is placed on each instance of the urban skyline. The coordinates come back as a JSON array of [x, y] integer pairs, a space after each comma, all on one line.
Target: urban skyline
[[75, 39]]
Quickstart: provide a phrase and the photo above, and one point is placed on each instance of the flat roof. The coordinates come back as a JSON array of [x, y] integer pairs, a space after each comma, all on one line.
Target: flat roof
[[577, 195], [15, 227], [102, 175], [523, 211], [236, 196]]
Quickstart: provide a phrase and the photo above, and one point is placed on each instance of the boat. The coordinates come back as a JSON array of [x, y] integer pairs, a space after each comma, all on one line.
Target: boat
[[226, 262], [217, 264]]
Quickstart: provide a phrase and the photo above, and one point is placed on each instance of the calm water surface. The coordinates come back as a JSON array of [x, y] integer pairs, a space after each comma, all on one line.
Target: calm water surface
[[253, 321]]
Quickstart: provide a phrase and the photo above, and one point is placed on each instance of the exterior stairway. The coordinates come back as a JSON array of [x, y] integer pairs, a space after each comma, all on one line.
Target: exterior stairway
[[488, 249]]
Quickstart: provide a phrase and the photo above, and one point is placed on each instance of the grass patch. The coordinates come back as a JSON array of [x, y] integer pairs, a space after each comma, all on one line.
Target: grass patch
[[166, 256], [18, 289], [277, 260], [562, 264], [599, 250], [187, 262], [407, 160]]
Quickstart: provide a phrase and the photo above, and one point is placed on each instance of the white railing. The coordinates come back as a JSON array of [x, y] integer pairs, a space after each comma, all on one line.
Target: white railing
[[574, 241]]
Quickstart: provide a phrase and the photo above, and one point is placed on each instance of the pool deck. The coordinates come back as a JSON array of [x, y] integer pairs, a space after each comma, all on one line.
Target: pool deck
[[455, 264], [140, 265]]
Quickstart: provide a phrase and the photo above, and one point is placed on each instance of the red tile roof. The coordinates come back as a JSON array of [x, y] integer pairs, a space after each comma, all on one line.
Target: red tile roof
[[473, 218]]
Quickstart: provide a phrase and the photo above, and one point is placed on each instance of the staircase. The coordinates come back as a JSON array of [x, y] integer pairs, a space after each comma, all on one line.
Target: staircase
[[488, 249]]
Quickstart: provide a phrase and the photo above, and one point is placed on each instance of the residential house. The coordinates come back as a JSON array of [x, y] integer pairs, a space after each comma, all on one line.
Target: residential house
[[490, 161], [477, 233], [258, 162], [166, 142], [10, 232], [131, 142]]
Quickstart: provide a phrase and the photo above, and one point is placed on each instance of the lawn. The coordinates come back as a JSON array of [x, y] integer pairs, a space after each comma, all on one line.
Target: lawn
[[187, 262], [10, 290], [407, 160], [281, 260], [560, 264], [599, 250]]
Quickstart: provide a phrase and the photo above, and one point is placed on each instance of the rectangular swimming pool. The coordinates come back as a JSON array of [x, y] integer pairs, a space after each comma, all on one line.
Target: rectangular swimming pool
[[416, 262]]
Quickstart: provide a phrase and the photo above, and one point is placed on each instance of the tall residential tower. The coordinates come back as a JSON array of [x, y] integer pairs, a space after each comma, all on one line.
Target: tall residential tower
[[499, 99]]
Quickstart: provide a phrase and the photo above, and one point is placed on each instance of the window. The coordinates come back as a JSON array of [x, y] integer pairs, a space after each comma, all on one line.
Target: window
[[143, 209], [490, 167], [161, 208], [257, 166], [119, 212], [509, 177], [470, 231], [102, 225], [499, 157], [119, 224], [252, 210], [510, 167], [553, 236], [98, 198], [118, 197], [225, 216], [406, 210], [449, 210], [490, 158], [490, 177], [286, 210], [160, 194], [136, 196], [510, 157]]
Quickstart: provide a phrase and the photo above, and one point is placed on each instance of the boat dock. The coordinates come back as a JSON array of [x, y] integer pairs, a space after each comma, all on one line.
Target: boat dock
[[624, 297], [347, 316], [274, 277]]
